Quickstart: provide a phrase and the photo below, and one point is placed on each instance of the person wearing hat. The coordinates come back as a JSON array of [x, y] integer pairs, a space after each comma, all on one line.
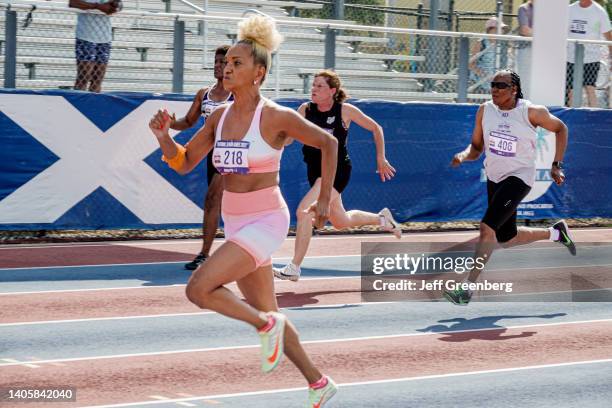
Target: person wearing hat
[[482, 63]]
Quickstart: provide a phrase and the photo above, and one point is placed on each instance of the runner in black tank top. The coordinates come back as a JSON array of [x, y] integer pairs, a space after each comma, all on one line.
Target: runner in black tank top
[[328, 111], [203, 104], [332, 122]]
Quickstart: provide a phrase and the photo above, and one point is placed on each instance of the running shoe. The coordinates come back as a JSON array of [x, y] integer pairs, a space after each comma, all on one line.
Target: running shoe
[[389, 224], [317, 398], [564, 236], [197, 261], [288, 272], [459, 297], [272, 342]]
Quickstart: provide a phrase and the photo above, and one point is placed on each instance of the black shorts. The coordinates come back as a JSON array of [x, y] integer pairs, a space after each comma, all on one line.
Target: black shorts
[[211, 170], [591, 71], [503, 198], [343, 175]]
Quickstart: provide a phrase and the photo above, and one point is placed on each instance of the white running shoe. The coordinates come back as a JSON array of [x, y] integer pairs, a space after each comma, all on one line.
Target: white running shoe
[[272, 342], [319, 397], [389, 224], [288, 272]]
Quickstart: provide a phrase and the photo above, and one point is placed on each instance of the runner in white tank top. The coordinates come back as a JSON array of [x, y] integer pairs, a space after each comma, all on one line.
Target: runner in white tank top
[[510, 139], [505, 130], [204, 103]]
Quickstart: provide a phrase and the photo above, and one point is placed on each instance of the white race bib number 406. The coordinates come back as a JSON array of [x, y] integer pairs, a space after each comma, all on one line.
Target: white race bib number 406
[[231, 156], [502, 144]]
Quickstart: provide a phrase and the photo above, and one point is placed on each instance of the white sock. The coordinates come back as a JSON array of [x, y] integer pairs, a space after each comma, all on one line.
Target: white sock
[[554, 234]]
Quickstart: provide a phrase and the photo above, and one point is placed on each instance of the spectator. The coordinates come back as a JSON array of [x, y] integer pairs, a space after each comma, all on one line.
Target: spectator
[[587, 21], [523, 52], [482, 63], [93, 41]]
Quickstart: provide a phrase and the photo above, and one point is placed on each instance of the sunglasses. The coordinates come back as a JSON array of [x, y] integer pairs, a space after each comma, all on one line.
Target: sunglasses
[[500, 85]]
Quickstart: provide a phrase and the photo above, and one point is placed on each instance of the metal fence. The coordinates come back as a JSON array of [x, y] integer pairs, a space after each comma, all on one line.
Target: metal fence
[[166, 52], [451, 15]]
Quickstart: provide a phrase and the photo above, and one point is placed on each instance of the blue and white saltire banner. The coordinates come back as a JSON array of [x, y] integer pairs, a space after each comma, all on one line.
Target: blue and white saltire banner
[[75, 160], [90, 158]]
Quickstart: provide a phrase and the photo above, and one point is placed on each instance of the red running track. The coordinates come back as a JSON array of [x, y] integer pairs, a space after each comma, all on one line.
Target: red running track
[[17, 256], [133, 379], [147, 301]]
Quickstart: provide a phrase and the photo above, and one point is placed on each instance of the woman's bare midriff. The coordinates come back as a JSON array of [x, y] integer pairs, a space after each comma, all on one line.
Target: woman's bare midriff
[[245, 183]]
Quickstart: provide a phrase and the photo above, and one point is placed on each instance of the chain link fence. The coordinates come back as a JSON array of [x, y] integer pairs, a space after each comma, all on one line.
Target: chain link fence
[[154, 51]]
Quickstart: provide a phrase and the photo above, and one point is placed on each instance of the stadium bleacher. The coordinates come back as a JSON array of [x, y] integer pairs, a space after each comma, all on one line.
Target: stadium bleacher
[[141, 58]]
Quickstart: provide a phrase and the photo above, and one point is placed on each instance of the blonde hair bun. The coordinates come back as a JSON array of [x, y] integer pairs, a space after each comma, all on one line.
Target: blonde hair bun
[[261, 30]]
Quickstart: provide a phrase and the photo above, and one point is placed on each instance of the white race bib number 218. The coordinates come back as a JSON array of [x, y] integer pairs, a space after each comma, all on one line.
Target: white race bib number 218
[[231, 156]]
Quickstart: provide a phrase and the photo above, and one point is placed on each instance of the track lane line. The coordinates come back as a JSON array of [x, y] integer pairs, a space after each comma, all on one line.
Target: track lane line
[[362, 383], [336, 340]]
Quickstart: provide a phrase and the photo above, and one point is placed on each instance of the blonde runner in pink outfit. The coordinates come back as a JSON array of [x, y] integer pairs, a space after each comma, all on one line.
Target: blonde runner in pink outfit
[[248, 137]]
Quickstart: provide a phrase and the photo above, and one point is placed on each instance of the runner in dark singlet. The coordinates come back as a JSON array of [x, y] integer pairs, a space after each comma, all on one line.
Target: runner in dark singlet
[[205, 102], [328, 110]]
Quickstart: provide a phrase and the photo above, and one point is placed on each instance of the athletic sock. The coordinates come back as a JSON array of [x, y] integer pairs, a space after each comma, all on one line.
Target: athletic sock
[[268, 325], [319, 384], [554, 234]]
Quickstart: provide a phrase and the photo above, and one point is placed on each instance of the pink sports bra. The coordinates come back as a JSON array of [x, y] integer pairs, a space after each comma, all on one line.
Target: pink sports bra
[[251, 154]]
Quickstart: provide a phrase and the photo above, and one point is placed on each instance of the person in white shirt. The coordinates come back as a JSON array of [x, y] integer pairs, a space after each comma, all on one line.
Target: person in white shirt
[[505, 130], [93, 41], [587, 21]]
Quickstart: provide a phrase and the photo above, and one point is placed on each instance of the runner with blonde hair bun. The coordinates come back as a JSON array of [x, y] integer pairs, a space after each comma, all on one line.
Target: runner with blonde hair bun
[[247, 138]]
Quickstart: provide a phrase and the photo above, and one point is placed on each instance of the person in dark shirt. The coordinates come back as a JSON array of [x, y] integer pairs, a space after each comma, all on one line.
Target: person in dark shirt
[[328, 110]]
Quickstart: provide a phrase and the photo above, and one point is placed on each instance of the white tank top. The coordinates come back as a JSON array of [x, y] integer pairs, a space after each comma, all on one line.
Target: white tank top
[[208, 105], [251, 154], [510, 143]]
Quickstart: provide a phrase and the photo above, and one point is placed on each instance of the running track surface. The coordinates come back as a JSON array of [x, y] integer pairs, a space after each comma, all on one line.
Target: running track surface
[[111, 320]]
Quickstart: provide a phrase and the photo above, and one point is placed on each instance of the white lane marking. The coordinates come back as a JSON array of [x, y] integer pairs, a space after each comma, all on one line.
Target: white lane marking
[[337, 340], [355, 276], [154, 316], [12, 361], [364, 383], [279, 260], [219, 240]]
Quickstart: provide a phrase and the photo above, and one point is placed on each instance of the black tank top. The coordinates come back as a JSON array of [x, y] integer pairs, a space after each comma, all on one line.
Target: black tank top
[[331, 122]]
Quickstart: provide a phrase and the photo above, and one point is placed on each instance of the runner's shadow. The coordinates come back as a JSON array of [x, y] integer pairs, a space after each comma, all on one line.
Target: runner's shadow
[[292, 299], [460, 329]]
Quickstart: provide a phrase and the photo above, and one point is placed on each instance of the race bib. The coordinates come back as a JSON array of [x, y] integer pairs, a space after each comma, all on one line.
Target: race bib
[[578, 26], [231, 156], [502, 144], [208, 109]]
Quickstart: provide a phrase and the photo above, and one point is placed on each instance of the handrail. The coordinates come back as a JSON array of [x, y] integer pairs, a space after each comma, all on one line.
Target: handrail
[[291, 22], [254, 11], [298, 23], [193, 6]]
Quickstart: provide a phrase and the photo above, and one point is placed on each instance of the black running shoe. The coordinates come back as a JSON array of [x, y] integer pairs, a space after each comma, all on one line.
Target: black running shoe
[[197, 261], [564, 236], [458, 296]]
